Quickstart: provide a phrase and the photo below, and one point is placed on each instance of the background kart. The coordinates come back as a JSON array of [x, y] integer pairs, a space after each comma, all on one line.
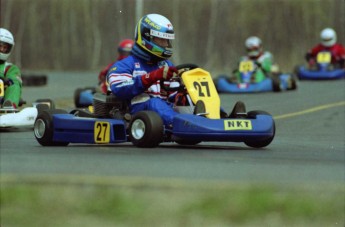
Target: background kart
[[23, 117], [111, 122], [244, 84], [323, 69], [83, 97]]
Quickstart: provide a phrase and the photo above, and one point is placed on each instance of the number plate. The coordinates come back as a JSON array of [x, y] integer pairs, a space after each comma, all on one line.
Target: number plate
[[323, 57], [200, 86], [246, 66], [102, 132], [238, 125]]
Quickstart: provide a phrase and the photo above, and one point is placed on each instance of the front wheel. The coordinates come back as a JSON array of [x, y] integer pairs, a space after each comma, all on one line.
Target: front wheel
[[264, 142], [44, 128], [146, 129]]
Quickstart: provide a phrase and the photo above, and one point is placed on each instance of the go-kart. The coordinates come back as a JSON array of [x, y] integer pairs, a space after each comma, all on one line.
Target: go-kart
[[322, 70], [244, 84], [11, 117], [111, 121]]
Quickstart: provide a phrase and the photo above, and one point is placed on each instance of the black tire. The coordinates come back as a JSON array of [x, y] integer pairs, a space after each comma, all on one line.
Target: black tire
[[44, 128], [34, 80], [260, 143], [77, 97], [146, 129], [48, 103], [276, 84]]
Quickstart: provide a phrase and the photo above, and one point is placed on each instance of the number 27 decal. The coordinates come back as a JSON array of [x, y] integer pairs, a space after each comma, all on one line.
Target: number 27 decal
[[198, 86], [102, 132]]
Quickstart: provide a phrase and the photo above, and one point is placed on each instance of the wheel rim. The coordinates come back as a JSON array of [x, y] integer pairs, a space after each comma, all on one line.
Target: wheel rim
[[39, 128], [138, 129]]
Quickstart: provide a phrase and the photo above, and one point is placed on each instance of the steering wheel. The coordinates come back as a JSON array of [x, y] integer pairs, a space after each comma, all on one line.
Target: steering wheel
[[181, 68]]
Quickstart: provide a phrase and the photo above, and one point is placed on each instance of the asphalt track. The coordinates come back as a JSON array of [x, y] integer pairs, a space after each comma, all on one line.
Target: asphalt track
[[309, 146]]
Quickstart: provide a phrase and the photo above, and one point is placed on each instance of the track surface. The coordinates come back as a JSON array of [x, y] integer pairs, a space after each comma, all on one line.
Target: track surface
[[309, 146]]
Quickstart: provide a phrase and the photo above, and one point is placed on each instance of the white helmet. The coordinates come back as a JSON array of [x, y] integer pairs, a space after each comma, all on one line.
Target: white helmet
[[253, 46], [328, 37], [6, 37]]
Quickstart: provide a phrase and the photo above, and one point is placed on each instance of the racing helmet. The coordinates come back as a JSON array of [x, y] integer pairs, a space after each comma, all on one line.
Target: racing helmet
[[328, 37], [6, 37], [154, 25], [253, 46], [125, 47]]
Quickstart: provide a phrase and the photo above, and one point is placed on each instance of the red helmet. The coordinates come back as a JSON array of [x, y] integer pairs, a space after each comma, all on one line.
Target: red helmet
[[125, 48]]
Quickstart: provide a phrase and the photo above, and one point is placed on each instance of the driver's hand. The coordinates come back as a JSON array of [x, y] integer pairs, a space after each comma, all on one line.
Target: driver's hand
[[8, 82], [164, 73]]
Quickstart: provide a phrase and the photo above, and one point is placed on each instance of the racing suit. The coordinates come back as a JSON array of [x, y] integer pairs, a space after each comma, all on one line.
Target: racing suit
[[11, 76], [102, 75], [124, 78], [337, 52]]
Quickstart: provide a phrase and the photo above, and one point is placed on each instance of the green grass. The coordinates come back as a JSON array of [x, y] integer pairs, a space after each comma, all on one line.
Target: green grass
[[57, 203]]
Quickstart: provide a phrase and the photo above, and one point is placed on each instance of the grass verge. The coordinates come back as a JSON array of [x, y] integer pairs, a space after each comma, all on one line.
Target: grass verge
[[144, 202]]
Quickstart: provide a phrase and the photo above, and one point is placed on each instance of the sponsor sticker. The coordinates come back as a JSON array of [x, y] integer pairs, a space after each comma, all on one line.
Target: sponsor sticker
[[237, 125]]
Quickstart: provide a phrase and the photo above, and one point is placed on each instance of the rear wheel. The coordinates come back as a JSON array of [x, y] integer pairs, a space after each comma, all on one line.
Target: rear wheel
[[44, 104], [44, 128], [276, 84], [146, 129], [264, 142]]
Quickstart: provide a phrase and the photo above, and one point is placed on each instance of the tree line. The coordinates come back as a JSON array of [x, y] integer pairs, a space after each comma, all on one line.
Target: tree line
[[83, 34]]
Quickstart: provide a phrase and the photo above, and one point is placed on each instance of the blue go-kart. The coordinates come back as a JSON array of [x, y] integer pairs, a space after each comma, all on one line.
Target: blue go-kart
[[247, 71], [323, 69], [111, 122]]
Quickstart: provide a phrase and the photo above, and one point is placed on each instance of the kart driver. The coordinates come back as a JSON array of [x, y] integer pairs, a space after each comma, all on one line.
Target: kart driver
[[263, 60], [136, 78], [328, 43], [9, 73], [124, 50]]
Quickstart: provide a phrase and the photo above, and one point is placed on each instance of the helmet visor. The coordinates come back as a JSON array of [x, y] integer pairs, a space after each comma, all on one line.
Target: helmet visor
[[5, 48]]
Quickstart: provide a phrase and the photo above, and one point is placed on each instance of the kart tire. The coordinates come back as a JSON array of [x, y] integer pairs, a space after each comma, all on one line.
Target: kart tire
[[34, 80], [44, 128], [276, 84], [44, 104], [260, 143], [77, 97], [146, 129]]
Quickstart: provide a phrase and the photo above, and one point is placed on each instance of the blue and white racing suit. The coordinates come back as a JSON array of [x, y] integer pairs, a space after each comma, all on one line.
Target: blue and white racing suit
[[124, 79]]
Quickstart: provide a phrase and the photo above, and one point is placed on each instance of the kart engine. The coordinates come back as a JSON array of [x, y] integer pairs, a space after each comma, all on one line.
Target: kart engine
[[109, 106]]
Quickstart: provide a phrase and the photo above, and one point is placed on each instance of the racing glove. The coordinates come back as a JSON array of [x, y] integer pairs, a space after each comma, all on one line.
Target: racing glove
[[164, 73], [8, 82]]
